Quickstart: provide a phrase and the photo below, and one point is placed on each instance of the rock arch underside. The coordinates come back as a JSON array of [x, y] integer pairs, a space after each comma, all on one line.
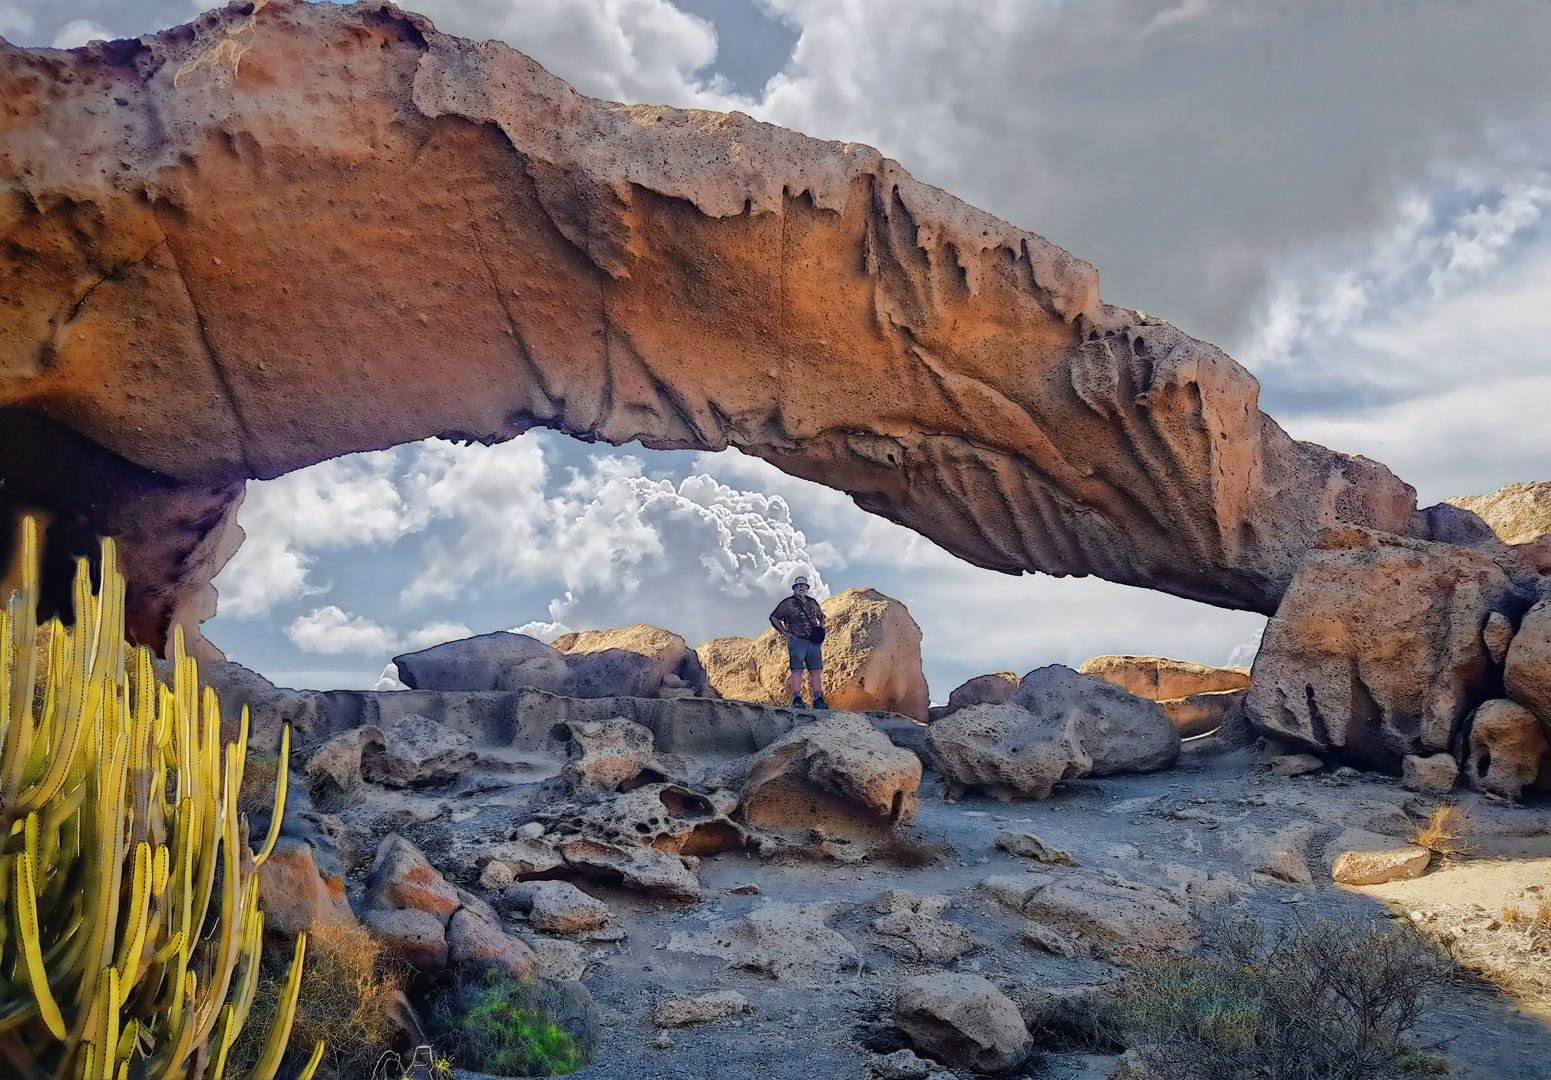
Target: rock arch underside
[[376, 233]]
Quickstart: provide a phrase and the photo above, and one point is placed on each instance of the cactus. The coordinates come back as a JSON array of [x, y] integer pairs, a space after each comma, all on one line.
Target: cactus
[[129, 925]]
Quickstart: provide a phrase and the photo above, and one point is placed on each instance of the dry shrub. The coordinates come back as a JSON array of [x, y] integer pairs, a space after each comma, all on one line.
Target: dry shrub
[[1446, 825], [350, 990], [1539, 928], [908, 853], [257, 794]]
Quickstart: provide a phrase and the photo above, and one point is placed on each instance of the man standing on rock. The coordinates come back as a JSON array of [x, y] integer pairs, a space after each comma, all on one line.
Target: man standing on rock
[[800, 620]]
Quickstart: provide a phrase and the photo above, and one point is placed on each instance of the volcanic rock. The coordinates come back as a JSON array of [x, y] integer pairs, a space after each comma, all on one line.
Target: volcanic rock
[[1377, 649], [607, 755], [990, 689], [962, 1021], [413, 750], [1377, 867], [841, 758], [872, 659], [1057, 726], [1519, 515], [557, 907], [781, 941], [675, 668], [403, 878], [1032, 847], [912, 926], [1163, 679], [1199, 714], [1527, 673], [477, 944], [679, 1011], [499, 661], [295, 894], [1435, 774], [1507, 750]]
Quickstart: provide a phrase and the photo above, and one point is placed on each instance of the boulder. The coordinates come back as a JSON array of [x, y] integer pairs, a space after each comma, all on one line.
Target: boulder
[[418, 936], [1519, 515], [498, 661], [1288, 765], [1162, 679], [1377, 867], [780, 941], [1497, 635], [1030, 846], [333, 770], [962, 1021], [872, 659], [477, 944], [1435, 774], [990, 689], [1376, 651], [559, 959], [414, 750], [1527, 672], [682, 1011], [840, 757], [295, 894], [1508, 751], [1058, 726], [674, 668], [665, 818], [610, 755], [403, 878], [644, 869], [1115, 916], [557, 907], [900, 1065], [1200, 714]]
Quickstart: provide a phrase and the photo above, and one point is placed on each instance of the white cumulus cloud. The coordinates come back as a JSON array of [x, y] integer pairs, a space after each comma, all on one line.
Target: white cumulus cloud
[[331, 630], [78, 32]]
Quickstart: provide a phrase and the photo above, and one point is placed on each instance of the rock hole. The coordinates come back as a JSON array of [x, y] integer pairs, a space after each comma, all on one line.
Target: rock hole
[[1484, 763]]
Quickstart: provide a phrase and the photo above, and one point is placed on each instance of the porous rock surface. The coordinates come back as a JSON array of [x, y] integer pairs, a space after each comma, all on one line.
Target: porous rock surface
[[842, 757], [674, 665], [1527, 672], [872, 659], [1377, 650], [255, 292], [1508, 751]]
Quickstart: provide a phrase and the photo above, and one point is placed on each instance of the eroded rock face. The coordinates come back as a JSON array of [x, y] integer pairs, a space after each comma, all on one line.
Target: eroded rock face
[[185, 297], [872, 659], [1377, 650], [1520, 516]]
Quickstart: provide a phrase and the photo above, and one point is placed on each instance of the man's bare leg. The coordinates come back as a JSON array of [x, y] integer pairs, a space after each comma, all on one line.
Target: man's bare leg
[[794, 683]]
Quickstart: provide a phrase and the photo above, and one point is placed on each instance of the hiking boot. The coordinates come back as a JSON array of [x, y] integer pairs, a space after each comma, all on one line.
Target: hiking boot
[[797, 702], [820, 703]]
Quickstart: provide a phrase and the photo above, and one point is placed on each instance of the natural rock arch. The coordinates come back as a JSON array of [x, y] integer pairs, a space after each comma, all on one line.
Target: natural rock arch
[[377, 233]]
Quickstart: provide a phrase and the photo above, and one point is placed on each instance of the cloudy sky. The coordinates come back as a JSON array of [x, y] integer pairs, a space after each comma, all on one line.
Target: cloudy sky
[[1351, 198]]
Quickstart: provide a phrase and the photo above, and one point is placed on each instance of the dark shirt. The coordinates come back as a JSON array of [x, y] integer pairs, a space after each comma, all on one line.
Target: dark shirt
[[797, 616]]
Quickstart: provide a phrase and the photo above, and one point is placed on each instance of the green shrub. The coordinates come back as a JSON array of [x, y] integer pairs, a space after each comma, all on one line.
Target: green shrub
[[510, 1027]]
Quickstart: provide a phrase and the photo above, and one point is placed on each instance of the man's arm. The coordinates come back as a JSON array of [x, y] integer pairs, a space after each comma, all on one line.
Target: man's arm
[[779, 622]]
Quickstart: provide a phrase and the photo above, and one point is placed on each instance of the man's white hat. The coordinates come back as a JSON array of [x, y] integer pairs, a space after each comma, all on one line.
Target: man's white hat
[[799, 581]]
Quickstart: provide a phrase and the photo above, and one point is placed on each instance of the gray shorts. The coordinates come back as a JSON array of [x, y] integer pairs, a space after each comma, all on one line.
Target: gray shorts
[[805, 654]]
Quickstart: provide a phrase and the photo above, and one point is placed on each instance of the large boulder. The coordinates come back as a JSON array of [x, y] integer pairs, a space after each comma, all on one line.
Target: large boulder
[[295, 894], [872, 659], [1508, 751], [962, 1021], [841, 757], [408, 751], [1377, 650], [673, 667], [1059, 725], [1527, 671], [1519, 515], [1162, 679], [499, 661]]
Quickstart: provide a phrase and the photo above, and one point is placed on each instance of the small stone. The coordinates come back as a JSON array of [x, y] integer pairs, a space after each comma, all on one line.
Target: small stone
[[1030, 846], [531, 831], [557, 906], [1346, 772], [663, 1041], [1435, 774], [900, 1065], [1376, 867], [676, 1012], [748, 888], [1295, 765], [1047, 940], [496, 876]]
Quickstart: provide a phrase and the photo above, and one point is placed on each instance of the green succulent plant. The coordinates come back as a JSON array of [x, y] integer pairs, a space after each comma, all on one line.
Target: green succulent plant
[[130, 933]]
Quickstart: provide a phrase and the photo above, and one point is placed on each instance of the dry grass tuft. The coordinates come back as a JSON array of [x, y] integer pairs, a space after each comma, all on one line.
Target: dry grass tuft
[[350, 989], [257, 793], [1446, 825], [907, 853]]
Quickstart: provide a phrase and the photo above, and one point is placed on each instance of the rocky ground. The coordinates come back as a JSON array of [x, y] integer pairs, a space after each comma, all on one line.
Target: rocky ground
[[816, 946]]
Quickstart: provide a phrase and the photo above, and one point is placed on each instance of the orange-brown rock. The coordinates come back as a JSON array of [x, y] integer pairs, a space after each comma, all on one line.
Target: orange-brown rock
[[872, 659], [1508, 750], [1527, 671], [1377, 650], [373, 233], [1520, 516], [1199, 714], [1162, 679]]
